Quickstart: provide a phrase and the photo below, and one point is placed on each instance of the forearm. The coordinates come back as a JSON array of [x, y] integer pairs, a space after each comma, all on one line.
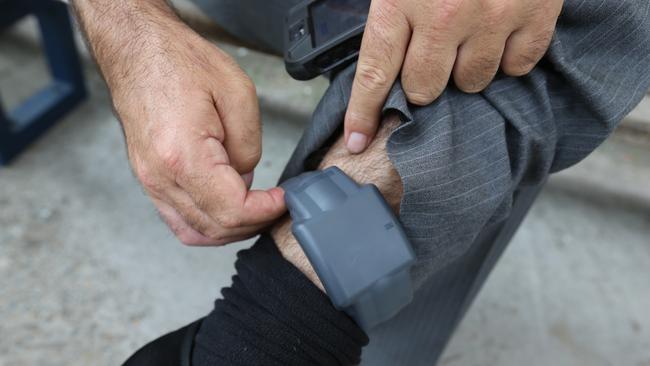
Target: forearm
[[372, 166], [121, 33]]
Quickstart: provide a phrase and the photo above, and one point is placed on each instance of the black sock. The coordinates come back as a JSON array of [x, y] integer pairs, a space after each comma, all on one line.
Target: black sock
[[172, 349], [273, 315]]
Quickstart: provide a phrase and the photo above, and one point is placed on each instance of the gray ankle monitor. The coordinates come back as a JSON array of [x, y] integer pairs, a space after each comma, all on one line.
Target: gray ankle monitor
[[354, 242]]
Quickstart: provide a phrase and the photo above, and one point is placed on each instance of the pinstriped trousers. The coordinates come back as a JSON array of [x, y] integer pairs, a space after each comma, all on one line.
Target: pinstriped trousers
[[471, 165]]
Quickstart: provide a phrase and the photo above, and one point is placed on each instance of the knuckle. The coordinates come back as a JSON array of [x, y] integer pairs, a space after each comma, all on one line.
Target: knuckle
[[537, 47], [522, 63], [252, 155], [524, 60], [216, 236], [540, 45], [419, 98], [434, 37], [214, 232], [543, 10], [495, 11], [384, 14], [248, 87], [484, 64], [372, 77], [182, 232], [230, 221], [170, 157], [252, 158], [448, 10], [150, 181], [187, 230], [240, 89], [517, 68], [249, 141], [186, 238], [476, 75], [425, 85], [359, 121]]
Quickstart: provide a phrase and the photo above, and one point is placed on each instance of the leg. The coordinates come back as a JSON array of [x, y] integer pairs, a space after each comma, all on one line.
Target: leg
[[443, 298], [258, 22], [372, 166], [239, 314], [425, 326], [471, 164], [171, 349]]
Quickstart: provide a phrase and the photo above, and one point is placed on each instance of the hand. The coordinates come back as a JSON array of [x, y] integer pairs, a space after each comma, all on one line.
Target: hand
[[192, 127], [429, 41]]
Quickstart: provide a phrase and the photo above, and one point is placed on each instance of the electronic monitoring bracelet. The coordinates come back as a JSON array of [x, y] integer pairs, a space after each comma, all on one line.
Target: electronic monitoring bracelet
[[354, 242]]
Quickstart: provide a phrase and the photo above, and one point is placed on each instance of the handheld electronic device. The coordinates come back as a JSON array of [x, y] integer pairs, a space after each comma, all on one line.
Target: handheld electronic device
[[322, 35], [354, 242]]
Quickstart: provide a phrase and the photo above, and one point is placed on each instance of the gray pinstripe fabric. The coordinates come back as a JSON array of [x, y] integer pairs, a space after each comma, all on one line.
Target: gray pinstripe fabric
[[464, 158], [418, 334]]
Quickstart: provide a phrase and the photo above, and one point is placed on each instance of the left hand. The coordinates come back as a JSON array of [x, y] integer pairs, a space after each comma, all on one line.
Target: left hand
[[429, 41]]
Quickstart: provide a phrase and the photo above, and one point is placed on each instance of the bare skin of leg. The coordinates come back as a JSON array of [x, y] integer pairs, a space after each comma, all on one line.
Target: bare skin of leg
[[372, 166]]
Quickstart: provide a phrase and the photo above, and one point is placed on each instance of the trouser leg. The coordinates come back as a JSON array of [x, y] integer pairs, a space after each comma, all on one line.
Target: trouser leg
[[258, 22], [420, 332]]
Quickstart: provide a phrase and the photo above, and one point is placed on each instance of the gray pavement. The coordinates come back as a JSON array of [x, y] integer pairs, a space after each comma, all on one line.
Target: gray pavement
[[88, 272]]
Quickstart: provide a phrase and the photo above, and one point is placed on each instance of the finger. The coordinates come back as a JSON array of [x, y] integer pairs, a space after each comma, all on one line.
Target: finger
[[182, 216], [524, 49], [428, 65], [200, 221], [433, 48], [239, 112], [380, 59], [181, 229], [478, 61], [183, 204], [222, 194]]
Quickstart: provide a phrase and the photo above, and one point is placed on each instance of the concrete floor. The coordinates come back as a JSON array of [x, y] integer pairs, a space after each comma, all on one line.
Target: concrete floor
[[88, 273]]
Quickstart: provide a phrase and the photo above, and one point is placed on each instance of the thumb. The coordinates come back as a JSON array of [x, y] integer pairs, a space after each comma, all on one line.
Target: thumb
[[263, 206]]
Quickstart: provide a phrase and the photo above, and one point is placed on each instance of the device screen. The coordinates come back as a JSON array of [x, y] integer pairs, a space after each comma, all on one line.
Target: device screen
[[331, 18]]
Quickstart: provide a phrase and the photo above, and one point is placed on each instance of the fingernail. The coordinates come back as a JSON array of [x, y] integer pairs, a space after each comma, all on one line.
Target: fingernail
[[357, 142]]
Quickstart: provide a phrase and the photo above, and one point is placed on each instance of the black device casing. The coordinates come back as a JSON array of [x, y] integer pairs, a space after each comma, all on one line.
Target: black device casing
[[303, 60]]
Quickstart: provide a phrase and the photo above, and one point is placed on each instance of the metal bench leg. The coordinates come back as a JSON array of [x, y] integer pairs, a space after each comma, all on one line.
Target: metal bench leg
[[24, 124]]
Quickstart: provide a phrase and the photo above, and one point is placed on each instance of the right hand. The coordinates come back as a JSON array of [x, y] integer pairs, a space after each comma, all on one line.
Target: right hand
[[192, 125], [427, 42]]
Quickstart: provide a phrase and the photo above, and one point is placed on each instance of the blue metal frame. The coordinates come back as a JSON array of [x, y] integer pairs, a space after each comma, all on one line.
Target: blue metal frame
[[24, 124]]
